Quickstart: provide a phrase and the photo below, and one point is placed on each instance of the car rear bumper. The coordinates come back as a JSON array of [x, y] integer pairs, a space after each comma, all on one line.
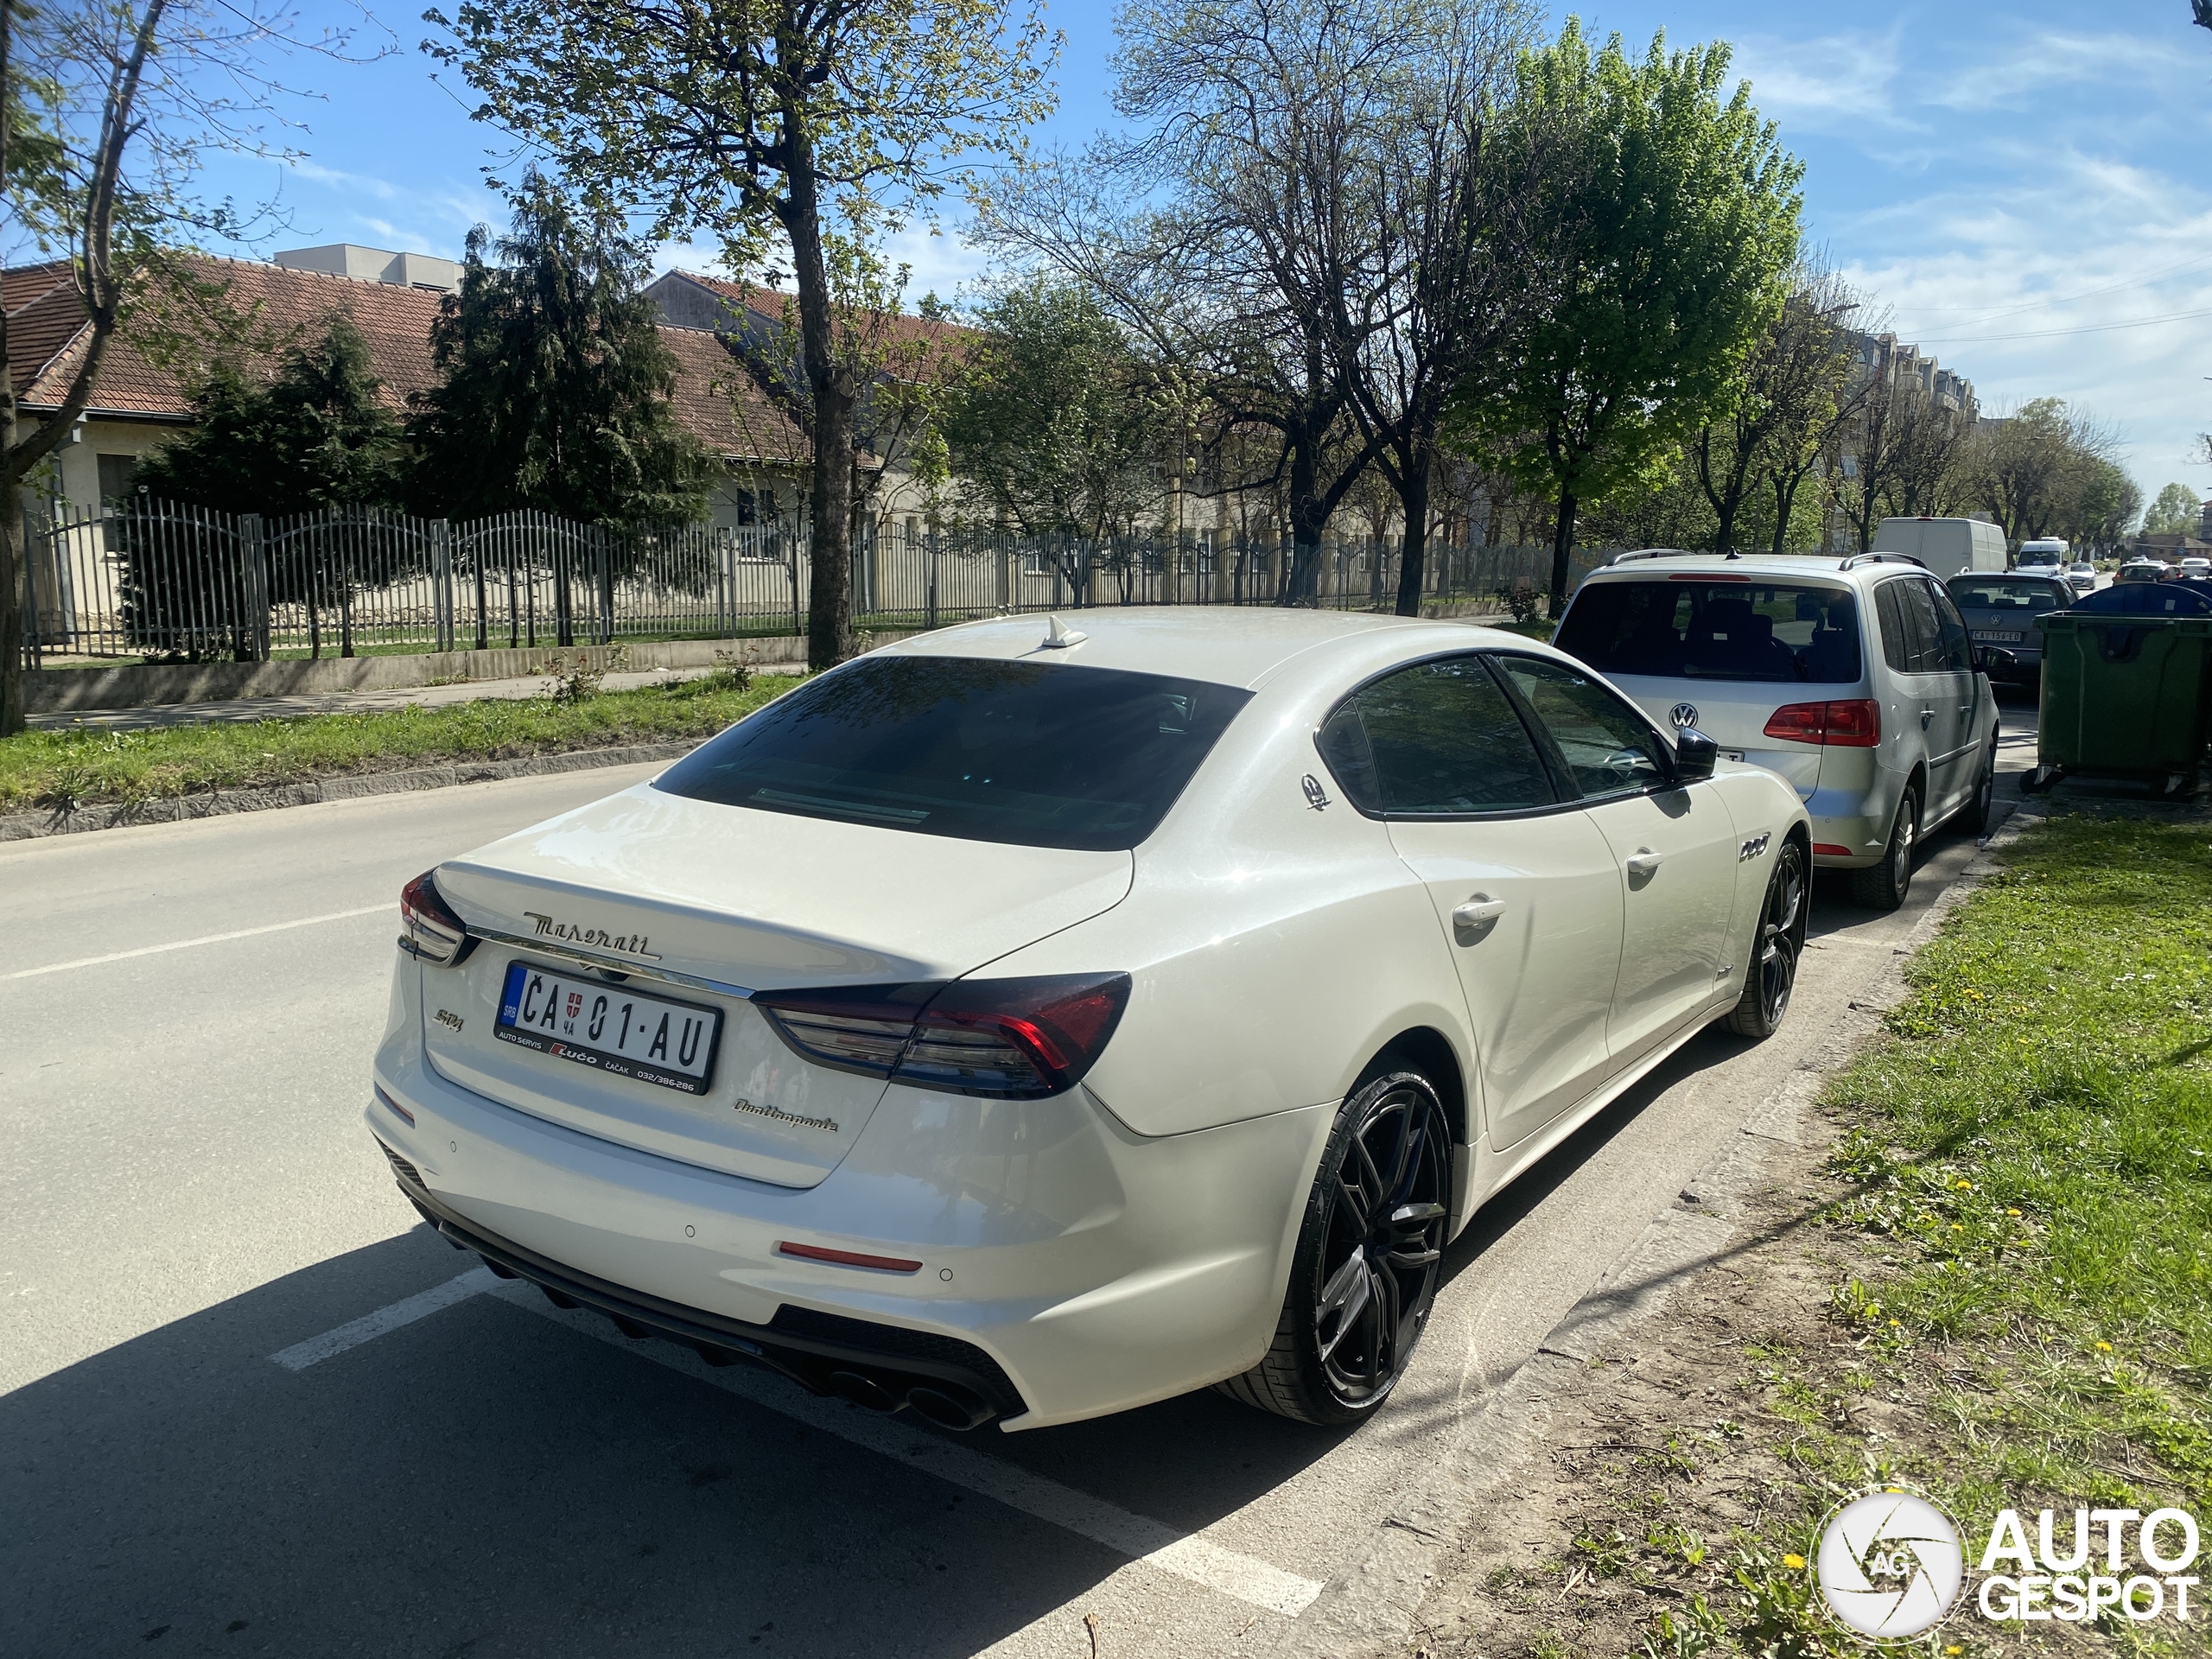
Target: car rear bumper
[[1069, 1267]]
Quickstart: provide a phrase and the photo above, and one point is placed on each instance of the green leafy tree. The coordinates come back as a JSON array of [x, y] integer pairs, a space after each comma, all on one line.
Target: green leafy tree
[[2176, 508], [555, 383], [1054, 424], [799, 133], [317, 435], [1671, 219]]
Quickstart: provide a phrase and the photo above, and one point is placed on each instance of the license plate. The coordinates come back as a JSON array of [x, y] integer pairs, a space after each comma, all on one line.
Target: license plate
[[1996, 636], [611, 1029]]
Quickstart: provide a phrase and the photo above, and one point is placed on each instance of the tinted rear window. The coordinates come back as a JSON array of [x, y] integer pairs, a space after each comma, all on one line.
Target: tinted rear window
[[1996, 593], [1699, 630], [1088, 759]]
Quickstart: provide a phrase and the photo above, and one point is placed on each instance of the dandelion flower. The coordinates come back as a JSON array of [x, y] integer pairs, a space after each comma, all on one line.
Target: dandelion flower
[[2012, 1212], [2104, 1347], [1957, 1226], [1795, 1563]]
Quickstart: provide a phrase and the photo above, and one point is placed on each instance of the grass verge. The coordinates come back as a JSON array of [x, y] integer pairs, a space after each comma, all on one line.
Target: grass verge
[[1993, 1282], [64, 770]]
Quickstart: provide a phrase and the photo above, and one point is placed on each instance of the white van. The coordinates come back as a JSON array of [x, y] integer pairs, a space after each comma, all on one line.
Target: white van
[[1945, 546], [2043, 556]]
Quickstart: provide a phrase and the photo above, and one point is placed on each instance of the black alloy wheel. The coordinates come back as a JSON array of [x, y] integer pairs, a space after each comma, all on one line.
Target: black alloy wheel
[[1884, 886], [1777, 949], [1369, 1256], [1974, 819]]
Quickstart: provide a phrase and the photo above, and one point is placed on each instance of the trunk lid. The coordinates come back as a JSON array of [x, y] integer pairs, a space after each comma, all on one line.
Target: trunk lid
[[726, 899]]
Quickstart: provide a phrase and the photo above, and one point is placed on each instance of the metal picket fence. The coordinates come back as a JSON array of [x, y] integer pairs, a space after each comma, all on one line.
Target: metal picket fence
[[157, 580]]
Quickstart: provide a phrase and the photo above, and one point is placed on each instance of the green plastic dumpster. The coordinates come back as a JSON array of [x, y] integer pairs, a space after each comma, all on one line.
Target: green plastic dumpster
[[2123, 694]]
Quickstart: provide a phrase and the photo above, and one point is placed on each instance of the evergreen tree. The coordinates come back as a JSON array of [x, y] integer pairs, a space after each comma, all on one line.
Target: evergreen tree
[[316, 435], [556, 383]]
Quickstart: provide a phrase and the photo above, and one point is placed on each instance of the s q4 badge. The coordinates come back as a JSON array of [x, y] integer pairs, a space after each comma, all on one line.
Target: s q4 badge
[[1316, 796]]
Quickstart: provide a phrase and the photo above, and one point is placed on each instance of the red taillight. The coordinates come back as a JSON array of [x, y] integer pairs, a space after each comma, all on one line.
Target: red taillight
[[1829, 849], [1014, 1039], [434, 934], [1853, 723]]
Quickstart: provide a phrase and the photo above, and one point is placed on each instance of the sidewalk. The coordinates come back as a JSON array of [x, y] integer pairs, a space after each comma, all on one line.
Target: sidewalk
[[332, 703]]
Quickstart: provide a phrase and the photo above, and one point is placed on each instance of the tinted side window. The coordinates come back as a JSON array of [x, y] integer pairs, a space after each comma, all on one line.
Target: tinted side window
[[1958, 654], [1916, 599], [1436, 738], [1610, 748], [1896, 642]]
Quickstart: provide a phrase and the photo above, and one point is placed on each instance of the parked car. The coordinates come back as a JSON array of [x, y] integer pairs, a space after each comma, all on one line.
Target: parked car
[[2196, 568], [1854, 679], [2082, 577], [1022, 1024], [2140, 570], [2000, 611]]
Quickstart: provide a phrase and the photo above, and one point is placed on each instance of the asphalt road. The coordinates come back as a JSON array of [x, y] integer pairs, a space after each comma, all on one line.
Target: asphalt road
[[186, 1192]]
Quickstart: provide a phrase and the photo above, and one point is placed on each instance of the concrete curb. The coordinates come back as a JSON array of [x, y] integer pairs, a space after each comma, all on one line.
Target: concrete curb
[[32, 826], [1371, 1606]]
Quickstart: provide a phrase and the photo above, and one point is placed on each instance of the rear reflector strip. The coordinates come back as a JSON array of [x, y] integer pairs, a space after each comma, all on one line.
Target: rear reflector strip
[[397, 1110], [1830, 849], [846, 1258]]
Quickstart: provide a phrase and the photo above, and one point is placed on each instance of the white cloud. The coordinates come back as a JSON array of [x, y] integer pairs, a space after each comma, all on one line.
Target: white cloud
[[1836, 83]]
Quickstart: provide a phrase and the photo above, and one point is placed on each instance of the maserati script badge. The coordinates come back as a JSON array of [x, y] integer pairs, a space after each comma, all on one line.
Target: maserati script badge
[[623, 945]]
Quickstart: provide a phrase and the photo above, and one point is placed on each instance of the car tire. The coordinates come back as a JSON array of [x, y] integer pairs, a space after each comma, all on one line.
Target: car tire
[[1777, 949], [1884, 886], [1974, 816], [1370, 1249]]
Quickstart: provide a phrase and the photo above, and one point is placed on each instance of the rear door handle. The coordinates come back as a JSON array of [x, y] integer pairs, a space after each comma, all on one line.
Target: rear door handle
[[1926, 715], [1642, 861], [1474, 920]]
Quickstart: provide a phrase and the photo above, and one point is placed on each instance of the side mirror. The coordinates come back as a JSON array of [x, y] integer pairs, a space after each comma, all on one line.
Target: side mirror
[[1995, 659], [1695, 753]]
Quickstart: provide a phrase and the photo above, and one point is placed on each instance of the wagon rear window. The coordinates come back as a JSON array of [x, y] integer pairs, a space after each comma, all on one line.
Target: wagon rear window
[[1695, 629]]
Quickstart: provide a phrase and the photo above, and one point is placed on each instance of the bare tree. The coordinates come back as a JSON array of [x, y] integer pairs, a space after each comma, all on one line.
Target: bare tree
[[798, 132], [1793, 390], [112, 105], [1445, 268], [1238, 277], [2028, 469]]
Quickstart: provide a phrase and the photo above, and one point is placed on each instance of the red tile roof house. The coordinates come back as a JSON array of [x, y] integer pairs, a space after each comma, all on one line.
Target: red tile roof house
[[139, 404]]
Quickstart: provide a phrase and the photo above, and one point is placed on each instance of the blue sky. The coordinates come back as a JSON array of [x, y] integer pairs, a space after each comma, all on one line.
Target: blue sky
[[2010, 182]]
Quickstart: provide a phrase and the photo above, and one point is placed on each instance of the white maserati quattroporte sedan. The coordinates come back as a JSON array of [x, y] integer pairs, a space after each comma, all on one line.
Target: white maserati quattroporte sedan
[[1022, 1024]]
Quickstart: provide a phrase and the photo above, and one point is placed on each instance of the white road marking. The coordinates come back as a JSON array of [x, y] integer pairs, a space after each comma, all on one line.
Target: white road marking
[[1187, 1555], [391, 905], [369, 1327]]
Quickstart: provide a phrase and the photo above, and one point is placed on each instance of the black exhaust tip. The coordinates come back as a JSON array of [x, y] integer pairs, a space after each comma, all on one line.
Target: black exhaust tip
[[948, 1406], [862, 1391]]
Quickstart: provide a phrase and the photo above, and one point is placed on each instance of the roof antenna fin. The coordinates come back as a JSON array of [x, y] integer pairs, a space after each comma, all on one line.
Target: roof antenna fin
[[1058, 638]]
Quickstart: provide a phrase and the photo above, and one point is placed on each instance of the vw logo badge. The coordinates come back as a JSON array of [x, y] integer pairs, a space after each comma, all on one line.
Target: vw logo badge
[[1684, 714]]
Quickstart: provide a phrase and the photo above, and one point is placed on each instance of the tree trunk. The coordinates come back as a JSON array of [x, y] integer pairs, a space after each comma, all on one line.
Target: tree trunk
[[12, 554], [1308, 513], [1563, 552], [1785, 498], [1412, 562], [829, 602]]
